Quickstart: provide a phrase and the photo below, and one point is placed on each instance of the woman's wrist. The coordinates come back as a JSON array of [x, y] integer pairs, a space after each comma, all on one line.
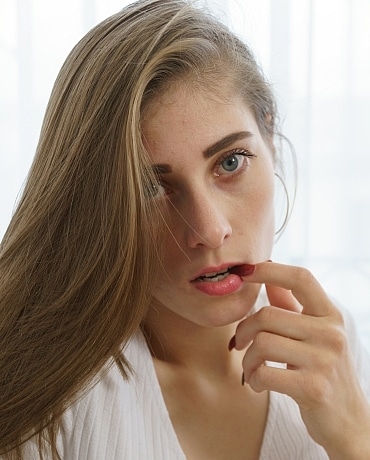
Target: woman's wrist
[[353, 444]]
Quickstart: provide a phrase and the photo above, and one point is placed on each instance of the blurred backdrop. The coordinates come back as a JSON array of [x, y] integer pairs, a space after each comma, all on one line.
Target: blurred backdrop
[[316, 53]]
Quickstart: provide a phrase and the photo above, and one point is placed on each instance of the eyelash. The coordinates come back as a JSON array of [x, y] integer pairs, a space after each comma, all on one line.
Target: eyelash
[[245, 153], [151, 192]]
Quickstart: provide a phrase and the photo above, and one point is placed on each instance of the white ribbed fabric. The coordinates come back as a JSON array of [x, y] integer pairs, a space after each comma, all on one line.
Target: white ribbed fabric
[[286, 437], [120, 420]]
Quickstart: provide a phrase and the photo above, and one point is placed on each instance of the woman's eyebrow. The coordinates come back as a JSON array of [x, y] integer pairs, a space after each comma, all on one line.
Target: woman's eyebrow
[[163, 168], [225, 142]]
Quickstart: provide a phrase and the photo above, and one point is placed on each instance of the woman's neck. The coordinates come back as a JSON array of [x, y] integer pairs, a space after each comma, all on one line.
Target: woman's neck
[[174, 340]]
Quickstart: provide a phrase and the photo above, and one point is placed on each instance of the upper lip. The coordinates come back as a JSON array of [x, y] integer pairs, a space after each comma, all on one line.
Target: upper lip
[[215, 269]]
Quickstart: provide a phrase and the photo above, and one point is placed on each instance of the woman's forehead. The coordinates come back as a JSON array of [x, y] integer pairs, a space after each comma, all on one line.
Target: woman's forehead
[[181, 123], [191, 88]]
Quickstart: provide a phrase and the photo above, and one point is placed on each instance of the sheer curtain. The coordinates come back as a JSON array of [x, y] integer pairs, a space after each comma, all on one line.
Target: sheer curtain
[[316, 55]]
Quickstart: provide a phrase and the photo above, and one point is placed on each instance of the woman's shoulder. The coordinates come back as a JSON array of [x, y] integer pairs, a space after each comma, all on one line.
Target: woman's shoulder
[[110, 389], [120, 418], [96, 424]]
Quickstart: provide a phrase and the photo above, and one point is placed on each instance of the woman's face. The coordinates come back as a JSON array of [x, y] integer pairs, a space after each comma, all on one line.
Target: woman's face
[[216, 174]]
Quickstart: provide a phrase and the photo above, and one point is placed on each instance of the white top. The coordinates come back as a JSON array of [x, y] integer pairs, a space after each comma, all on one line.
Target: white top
[[128, 420]]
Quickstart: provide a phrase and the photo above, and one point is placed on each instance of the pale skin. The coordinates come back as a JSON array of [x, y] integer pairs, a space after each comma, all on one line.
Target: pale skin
[[221, 206]]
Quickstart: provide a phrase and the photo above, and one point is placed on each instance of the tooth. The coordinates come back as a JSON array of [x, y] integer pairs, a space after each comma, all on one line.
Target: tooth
[[211, 275], [214, 279]]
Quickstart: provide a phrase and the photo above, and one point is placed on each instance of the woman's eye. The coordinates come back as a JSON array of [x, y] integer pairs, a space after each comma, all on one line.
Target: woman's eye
[[233, 162], [155, 190]]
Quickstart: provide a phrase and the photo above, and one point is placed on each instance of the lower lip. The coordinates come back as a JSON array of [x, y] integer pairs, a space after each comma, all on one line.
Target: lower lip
[[227, 286]]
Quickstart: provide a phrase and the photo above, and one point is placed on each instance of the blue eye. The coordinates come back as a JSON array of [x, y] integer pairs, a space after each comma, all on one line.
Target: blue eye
[[230, 163], [233, 161]]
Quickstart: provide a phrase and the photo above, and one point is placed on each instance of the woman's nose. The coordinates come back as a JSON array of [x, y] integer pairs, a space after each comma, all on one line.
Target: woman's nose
[[206, 223]]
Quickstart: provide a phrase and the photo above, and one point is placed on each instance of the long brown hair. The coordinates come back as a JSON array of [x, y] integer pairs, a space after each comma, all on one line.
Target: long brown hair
[[77, 262]]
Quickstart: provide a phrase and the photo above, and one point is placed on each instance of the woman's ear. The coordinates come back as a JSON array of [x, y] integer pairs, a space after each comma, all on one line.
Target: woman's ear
[[269, 129], [268, 119]]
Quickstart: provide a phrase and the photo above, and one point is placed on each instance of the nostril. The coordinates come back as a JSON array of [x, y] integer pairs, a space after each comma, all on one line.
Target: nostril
[[207, 224]]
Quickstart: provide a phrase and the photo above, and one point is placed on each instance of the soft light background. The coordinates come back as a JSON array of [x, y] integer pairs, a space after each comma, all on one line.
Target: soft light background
[[316, 54]]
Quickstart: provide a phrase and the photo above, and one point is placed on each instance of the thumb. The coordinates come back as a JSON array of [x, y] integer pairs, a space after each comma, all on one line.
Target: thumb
[[282, 298]]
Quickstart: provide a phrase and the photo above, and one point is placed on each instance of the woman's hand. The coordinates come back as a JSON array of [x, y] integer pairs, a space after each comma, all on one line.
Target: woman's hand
[[304, 330]]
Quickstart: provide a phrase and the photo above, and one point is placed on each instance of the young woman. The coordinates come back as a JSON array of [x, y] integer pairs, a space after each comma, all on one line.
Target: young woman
[[133, 324]]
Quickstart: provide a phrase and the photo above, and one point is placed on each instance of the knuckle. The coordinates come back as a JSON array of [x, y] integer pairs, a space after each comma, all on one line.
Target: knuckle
[[265, 315], [338, 317], [331, 336], [261, 341], [315, 391], [258, 379], [330, 351], [337, 339], [303, 276]]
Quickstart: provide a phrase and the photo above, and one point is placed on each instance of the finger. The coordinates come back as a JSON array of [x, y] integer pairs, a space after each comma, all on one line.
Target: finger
[[300, 281], [282, 298], [277, 321], [275, 379], [276, 349]]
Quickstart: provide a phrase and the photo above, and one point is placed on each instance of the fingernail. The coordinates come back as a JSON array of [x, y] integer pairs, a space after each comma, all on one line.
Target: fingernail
[[243, 381], [243, 270], [232, 343]]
